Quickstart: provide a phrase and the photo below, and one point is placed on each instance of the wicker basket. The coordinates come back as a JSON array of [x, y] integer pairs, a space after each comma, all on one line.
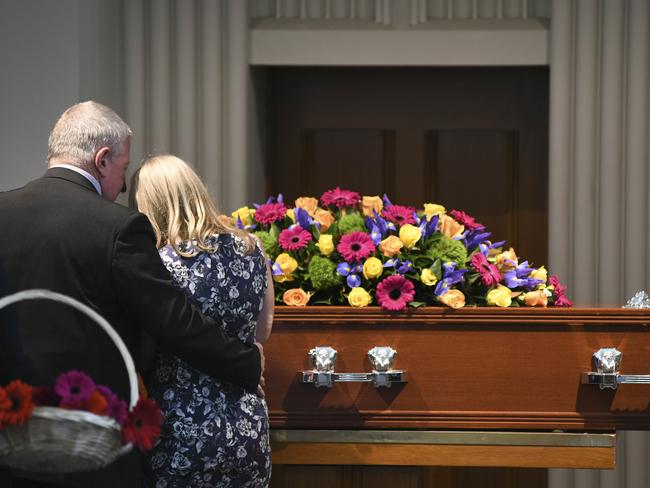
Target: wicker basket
[[57, 440]]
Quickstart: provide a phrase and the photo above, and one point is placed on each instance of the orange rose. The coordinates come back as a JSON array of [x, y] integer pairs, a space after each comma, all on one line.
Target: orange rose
[[390, 246], [310, 204], [450, 227], [453, 299], [368, 204], [295, 297], [324, 218], [536, 298]]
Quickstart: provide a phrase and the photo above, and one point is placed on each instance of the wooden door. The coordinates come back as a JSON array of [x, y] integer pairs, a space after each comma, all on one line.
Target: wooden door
[[473, 139]]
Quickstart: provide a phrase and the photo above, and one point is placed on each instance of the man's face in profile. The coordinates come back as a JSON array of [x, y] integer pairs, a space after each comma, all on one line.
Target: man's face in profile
[[114, 179]]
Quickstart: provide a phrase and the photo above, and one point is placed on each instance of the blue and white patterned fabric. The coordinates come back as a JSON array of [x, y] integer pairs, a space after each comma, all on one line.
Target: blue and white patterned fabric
[[213, 434]]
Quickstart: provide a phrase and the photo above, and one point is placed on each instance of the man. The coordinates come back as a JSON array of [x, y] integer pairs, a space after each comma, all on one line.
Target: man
[[64, 233]]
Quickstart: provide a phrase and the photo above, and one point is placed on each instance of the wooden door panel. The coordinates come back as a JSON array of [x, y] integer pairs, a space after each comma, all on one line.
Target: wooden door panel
[[463, 166], [365, 159], [407, 131]]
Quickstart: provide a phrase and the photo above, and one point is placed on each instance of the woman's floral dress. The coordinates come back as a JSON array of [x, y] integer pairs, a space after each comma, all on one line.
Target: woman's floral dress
[[213, 434]]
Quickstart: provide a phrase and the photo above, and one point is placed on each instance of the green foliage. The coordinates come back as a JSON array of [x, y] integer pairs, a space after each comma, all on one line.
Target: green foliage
[[269, 242], [446, 249], [352, 222], [322, 273]]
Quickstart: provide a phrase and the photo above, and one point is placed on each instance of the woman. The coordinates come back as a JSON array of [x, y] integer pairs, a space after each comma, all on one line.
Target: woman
[[213, 434]]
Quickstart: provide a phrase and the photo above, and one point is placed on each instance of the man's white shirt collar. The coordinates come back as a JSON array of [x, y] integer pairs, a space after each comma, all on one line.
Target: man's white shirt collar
[[83, 173]]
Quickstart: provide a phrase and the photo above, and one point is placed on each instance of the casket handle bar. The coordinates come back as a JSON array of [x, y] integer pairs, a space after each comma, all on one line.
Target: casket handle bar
[[607, 362], [324, 359]]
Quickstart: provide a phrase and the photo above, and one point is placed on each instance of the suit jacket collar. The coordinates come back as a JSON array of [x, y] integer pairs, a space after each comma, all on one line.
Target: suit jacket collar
[[71, 176]]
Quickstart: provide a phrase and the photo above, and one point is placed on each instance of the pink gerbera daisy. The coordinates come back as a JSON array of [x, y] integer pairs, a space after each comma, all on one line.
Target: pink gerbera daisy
[[399, 214], [355, 246], [116, 408], [340, 198], [395, 292], [466, 220], [74, 387], [294, 238], [561, 299], [490, 275], [270, 212]]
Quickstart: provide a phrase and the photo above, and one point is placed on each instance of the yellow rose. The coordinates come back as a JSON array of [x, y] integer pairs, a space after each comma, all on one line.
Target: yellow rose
[[295, 297], [540, 274], [536, 298], [359, 297], [368, 204], [428, 278], [453, 299], [288, 265], [324, 218], [291, 215], [409, 235], [245, 214], [501, 296], [325, 244], [431, 209], [310, 204], [390, 246], [507, 260], [372, 268]]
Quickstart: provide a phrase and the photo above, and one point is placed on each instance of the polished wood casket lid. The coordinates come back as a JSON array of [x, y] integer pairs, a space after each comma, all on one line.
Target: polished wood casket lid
[[473, 368]]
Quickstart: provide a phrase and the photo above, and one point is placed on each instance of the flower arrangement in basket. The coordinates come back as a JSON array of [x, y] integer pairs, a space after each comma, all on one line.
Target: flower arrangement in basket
[[348, 249], [76, 425]]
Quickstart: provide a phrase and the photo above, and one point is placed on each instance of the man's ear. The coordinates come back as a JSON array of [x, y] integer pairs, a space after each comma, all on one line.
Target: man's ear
[[101, 160]]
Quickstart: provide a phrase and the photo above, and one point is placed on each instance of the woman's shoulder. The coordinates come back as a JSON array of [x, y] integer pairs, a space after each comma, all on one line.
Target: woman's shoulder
[[237, 244]]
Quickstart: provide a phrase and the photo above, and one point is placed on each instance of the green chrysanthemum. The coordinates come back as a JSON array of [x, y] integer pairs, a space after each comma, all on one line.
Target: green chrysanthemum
[[446, 249], [352, 222], [269, 243], [322, 273]]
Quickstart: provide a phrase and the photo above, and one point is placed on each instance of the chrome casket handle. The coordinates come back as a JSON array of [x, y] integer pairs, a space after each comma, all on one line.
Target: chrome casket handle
[[324, 359], [607, 362]]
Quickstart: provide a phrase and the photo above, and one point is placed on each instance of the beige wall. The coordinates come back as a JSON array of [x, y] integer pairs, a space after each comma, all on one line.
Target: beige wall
[[52, 54]]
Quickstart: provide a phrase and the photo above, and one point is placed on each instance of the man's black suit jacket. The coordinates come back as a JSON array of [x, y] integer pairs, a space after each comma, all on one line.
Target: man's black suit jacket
[[58, 233]]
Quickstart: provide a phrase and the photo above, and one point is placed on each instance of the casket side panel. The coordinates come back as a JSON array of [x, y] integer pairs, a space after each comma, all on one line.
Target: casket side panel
[[467, 369]]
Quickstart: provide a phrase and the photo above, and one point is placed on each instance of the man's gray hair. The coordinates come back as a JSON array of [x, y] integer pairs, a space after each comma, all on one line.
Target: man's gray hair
[[83, 129]]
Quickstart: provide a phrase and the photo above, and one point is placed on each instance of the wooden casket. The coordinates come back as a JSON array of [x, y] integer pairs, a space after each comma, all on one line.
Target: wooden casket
[[471, 372]]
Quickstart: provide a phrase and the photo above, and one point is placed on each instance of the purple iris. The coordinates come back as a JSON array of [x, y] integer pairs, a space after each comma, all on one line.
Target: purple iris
[[475, 237], [405, 267], [391, 263], [429, 227], [240, 225], [375, 234], [485, 247], [351, 271], [519, 277], [271, 199], [380, 223], [276, 270], [353, 280], [387, 202], [302, 218], [450, 276]]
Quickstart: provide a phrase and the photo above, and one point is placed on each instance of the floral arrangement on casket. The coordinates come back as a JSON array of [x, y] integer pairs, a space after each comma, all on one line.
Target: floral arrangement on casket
[[76, 391], [348, 249]]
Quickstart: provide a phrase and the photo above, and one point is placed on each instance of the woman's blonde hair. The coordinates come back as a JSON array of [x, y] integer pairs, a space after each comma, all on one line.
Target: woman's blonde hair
[[177, 203]]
